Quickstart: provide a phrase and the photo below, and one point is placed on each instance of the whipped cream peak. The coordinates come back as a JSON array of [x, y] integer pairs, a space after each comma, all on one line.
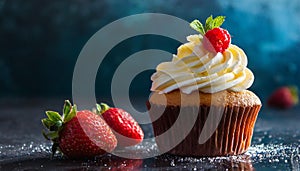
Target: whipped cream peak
[[195, 68]]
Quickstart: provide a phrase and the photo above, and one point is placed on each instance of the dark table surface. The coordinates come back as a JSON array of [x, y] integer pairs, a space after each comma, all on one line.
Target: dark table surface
[[275, 144]]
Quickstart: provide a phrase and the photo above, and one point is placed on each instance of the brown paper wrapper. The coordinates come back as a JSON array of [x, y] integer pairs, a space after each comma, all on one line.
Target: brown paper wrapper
[[232, 136]]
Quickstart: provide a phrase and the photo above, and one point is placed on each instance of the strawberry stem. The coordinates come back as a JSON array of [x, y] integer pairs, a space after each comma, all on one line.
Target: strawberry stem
[[294, 92], [101, 108]]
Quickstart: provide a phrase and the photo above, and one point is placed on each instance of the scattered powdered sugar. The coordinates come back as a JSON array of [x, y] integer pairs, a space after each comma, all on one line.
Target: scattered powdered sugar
[[26, 150]]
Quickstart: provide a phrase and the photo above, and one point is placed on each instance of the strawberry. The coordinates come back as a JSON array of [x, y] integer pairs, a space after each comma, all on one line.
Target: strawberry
[[127, 130], [215, 39], [284, 97], [78, 134]]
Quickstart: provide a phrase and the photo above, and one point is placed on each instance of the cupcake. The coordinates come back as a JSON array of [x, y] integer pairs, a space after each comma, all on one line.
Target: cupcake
[[200, 105]]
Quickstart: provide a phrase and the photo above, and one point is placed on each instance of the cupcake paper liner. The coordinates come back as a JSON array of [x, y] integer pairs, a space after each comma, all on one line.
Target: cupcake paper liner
[[232, 136]]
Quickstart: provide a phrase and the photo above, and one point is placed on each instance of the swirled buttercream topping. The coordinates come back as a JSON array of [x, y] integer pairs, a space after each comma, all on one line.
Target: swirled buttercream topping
[[195, 68]]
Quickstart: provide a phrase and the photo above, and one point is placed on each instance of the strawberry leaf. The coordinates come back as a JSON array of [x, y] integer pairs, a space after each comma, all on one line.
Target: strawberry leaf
[[45, 135], [104, 107], [53, 116], [52, 135], [98, 108], [71, 114], [197, 25], [294, 93], [56, 127], [47, 122], [67, 107]]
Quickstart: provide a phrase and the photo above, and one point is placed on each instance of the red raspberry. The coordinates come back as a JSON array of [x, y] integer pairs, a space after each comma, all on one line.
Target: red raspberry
[[216, 40]]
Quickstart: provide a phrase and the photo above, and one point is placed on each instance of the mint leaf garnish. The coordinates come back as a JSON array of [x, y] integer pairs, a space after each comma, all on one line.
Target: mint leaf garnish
[[218, 21], [210, 24], [197, 25]]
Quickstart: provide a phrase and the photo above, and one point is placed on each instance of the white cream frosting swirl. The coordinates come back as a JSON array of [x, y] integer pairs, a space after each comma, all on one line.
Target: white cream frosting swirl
[[194, 68]]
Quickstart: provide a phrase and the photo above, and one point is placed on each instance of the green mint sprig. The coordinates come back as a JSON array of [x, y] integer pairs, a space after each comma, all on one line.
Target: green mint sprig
[[210, 24]]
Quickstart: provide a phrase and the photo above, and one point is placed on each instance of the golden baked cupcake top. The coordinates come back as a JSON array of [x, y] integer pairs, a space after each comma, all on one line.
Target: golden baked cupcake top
[[196, 98]]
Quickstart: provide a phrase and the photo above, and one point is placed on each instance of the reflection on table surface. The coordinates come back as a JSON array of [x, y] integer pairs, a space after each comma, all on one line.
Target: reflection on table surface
[[110, 162]]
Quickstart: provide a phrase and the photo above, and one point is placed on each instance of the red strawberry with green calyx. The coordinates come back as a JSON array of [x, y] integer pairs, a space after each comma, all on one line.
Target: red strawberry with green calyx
[[215, 39], [126, 129], [78, 134], [284, 97]]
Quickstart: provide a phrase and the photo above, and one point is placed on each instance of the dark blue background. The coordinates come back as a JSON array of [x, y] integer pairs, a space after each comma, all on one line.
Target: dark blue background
[[40, 41]]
